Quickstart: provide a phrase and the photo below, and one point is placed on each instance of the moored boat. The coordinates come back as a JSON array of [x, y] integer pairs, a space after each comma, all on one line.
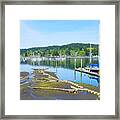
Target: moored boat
[[93, 68]]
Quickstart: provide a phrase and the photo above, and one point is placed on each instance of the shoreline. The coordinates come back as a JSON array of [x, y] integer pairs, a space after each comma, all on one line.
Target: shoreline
[[50, 83]]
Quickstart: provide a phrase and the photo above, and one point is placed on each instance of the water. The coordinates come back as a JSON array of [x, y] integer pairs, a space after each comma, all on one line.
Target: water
[[64, 70]]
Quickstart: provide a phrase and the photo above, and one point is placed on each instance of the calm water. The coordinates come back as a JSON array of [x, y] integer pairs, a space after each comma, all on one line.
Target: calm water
[[64, 69]]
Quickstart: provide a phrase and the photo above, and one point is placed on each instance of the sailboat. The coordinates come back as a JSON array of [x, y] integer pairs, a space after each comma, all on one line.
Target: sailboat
[[92, 67]]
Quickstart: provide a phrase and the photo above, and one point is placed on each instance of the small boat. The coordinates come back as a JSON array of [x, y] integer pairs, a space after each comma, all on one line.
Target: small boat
[[93, 68]]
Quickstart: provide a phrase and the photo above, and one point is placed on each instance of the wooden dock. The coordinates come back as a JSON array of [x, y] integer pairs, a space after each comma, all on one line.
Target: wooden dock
[[87, 71], [72, 90], [50, 88]]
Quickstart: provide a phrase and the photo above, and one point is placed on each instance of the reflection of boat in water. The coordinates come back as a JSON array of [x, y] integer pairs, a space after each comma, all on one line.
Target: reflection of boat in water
[[94, 77]]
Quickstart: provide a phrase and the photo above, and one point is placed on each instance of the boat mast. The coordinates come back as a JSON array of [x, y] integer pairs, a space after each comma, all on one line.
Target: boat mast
[[90, 54]]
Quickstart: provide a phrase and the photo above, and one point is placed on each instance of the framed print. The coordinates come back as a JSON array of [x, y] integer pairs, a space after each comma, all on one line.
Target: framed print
[[60, 59]]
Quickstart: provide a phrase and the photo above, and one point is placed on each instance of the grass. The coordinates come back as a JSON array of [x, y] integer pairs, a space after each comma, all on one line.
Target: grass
[[41, 75], [89, 87], [24, 86], [52, 84], [38, 71], [47, 82], [51, 81], [50, 93], [51, 74]]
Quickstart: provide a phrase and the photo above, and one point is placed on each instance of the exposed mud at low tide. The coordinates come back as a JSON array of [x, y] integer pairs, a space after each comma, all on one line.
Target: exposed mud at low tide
[[46, 82]]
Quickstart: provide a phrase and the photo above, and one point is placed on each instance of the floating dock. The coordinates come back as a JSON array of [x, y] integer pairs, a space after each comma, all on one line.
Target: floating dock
[[87, 71]]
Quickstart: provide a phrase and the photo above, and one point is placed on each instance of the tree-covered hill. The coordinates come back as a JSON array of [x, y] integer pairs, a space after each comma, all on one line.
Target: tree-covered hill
[[73, 49]]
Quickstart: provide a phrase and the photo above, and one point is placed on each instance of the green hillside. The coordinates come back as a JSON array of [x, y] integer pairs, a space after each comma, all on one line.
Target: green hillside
[[73, 49]]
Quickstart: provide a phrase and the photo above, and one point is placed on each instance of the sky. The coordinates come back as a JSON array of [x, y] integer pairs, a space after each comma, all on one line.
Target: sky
[[41, 33]]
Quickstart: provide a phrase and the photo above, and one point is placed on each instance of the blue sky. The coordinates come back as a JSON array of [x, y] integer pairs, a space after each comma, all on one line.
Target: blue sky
[[40, 33]]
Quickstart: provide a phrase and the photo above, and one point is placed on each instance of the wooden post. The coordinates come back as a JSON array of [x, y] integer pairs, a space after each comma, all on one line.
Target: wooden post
[[81, 63], [81, 76], [75, 63], [81, 71], [75, 60], [90, 54], [42, 63], [56, 64], [74, 75]]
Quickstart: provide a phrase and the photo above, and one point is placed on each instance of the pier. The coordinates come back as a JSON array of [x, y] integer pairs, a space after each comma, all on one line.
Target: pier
[[86, 71]]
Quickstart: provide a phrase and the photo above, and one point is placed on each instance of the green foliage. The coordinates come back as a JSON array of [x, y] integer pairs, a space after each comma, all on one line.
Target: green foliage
[[73, 49], [55, 53]]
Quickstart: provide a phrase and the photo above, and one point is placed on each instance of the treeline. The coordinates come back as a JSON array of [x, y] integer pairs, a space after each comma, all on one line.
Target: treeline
[[73, 49]]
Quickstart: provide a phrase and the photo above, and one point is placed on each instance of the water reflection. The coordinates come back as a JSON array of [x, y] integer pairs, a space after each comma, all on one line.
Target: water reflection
[[64, 69], [70, 63]]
